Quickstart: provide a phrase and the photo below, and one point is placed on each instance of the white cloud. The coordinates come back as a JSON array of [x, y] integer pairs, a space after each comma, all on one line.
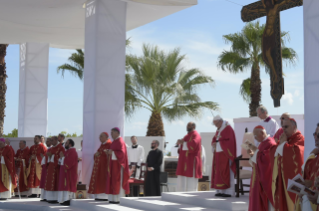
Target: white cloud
[[179, 122], [288, 97], [297, 93], [138, 125]]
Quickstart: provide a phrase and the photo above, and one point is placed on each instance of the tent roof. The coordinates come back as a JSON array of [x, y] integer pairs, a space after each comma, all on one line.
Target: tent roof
[[61, 22]]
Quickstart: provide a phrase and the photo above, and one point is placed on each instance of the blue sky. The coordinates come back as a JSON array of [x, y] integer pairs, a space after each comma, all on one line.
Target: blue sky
[[198, 32]]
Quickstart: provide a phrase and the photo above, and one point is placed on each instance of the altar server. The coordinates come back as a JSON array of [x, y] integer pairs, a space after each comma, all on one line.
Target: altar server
[[224, 166], [136, 156], [22, 161], [34, 169], [269, 123], [286, 160], [100, 170], [117, 180], [44, 170], [189, 166], [260, 196], [154, 161], [53, 171], [79, 151], [68, 173]]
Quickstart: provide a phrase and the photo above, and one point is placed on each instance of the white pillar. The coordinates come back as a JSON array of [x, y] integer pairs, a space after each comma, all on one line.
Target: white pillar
[[33, 89], [104, 75], [311, 72]]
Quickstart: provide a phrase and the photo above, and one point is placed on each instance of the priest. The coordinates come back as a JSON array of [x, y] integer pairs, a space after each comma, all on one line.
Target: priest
[[7, 180], [44, 170], [189, 166], [154, 161], [224, 166], [118, 176], [22, 158], [68, 173], [100, 170], [286, 160], [34, 168], [280, 131], [260, 196], [53, 171]]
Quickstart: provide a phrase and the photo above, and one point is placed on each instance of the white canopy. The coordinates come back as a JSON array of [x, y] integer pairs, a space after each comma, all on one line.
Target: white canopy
[[61, 22]]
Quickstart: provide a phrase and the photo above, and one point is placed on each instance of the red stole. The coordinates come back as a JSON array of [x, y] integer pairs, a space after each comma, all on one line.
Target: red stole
[[33, 178], [44, 170], [6, 152], [23, 155], [260, 184], [185, 166], [221, 168], [100, 170], [69, 171], [286, 167], [53, 169], [118, 146]]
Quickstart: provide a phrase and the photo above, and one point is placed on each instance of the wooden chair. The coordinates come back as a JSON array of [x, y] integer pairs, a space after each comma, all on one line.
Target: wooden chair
[[242, 161]]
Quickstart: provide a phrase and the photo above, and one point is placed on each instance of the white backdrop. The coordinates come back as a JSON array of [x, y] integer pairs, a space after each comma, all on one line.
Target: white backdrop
[[311, 72]]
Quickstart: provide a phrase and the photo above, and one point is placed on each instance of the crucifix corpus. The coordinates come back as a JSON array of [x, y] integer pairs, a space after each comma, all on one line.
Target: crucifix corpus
[[271, 41]]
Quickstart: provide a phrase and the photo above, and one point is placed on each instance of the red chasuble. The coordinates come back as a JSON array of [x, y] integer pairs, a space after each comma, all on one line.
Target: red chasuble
[[34, 169], [260, 184], [24, 156], [279, 132], [44, 171], [100, 170], [188, 158], [53, 169], [286, 167], [69, 171], [118, 147], [6, 170], [221, 168]]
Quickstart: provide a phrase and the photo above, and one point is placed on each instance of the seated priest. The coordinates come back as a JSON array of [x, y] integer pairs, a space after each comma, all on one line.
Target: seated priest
[[117, 181], [44, 170], [286, 161], [189, 166], [154, 161], [68, 173], [224, 166], [100, 170], [51, 186], [260, 196], [7, 179], [22, 160]]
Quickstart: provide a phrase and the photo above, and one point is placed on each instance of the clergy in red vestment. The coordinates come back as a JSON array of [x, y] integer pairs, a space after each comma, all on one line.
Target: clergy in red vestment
[[286, 160], [13, 161], [51, 185], [100, 170], [7, 179], [189, 166], [260, 196], [68, 173], [118, 173], [22, 159], [284, 116], [224, 166], [44, 170], [34, 168]]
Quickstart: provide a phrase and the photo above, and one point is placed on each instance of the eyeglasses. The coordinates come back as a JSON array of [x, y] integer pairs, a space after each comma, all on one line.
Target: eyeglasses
[[285, 126]]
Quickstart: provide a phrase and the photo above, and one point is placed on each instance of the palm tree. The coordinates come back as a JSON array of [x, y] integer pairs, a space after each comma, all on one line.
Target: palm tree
[[3, 86], [161, 85], [246, 53]]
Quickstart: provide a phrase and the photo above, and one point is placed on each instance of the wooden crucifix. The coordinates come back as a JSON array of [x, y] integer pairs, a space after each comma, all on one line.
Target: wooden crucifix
[[271, 41]]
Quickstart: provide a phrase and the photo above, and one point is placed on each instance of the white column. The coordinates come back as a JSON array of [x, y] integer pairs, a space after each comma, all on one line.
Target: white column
[[311, 72], [104, 75], [33, 89]]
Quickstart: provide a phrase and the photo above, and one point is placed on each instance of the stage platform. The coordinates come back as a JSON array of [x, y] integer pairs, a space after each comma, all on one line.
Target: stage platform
[[169, 201]]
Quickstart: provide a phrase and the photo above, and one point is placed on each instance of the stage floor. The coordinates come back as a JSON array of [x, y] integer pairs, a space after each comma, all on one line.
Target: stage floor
[[170, 201]]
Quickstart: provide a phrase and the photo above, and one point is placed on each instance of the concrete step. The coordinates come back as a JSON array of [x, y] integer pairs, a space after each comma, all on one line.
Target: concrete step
[[92, 205]]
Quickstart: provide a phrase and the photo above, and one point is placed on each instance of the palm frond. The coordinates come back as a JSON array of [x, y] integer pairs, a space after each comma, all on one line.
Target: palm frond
[[245, 90], [233, 62]]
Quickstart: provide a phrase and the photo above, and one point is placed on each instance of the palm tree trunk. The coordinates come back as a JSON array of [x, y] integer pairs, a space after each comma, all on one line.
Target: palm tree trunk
[[3, 86], [255, 89], [155, 125]]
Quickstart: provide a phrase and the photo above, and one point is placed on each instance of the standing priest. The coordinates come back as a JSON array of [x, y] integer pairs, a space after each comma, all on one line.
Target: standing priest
[[286, 160], [34, 169], [7, 180], [224, 166], [100, 170], [260, 196], [53, 171], [117, 180], [44, 169], [22, 159], [189, 166], [68, 173]]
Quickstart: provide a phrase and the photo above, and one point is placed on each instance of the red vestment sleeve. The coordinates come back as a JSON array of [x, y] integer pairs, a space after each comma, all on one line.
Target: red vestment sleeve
[[8, 159], [193, 144], [71, 160]]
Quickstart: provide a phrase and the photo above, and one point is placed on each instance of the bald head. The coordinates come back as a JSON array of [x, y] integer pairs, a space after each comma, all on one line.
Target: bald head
[[260, 134], [191, 126], [284, 116], [289, 126]]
